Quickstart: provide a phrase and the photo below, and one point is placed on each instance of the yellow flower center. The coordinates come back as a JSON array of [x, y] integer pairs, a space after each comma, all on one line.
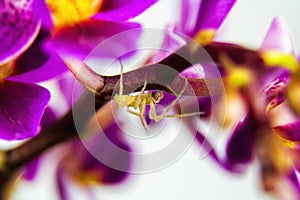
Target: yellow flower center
[[205, 37], [69, 12]]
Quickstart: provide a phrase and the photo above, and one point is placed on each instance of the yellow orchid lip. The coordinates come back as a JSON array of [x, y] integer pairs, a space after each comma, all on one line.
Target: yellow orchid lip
[[238, 76], [276, 58], [69, 12], [205, 36]]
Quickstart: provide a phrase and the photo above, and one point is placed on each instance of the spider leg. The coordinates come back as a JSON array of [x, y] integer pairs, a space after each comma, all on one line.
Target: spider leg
[[141, 112], [172, 104], [144, 88], [153, 114], [121, 88], [140, 96], [185, 114]]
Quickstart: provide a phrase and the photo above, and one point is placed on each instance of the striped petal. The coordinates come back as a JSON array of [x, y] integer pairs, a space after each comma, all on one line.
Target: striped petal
[[19, 26]]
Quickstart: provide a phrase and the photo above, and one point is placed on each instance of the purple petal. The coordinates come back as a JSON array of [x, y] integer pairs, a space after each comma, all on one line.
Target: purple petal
[[200, 138], [52, 68], [66, 185], [295, 181], [48, 117], [171, 42], [121, 10], [67, 86], [204, 105], [61, 183], [160, 107], [31, 169], [105, 158], [35, 56], [205, 14], [18, 28], [278, 38], [240, 147], [274, 84], [112, 163], [289, 131], [41, 9], [21, 109], [80, 40]]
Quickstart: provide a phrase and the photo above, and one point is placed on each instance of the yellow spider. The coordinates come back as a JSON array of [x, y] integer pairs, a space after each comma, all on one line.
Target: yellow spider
[[140, 100]]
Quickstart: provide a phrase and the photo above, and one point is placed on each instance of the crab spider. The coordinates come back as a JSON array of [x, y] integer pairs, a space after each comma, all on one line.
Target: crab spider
[[142, 99]]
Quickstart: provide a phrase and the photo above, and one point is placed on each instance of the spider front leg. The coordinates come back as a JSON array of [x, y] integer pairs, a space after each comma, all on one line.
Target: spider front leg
[[140, 96], [119, 97], [157, 118], [140, 114]]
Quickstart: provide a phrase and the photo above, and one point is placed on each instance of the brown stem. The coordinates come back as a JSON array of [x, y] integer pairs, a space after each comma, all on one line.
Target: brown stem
[[164, 75]]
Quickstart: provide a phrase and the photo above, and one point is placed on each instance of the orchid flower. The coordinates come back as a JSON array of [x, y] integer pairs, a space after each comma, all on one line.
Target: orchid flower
[[265, 121], [88, 170], [35, 55], [260, 99], [36, 36]]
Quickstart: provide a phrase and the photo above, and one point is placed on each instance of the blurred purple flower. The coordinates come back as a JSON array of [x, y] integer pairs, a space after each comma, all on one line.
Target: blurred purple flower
[[31, 52], [26, 58], [197, 16], [107, 160], [268, 130]]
